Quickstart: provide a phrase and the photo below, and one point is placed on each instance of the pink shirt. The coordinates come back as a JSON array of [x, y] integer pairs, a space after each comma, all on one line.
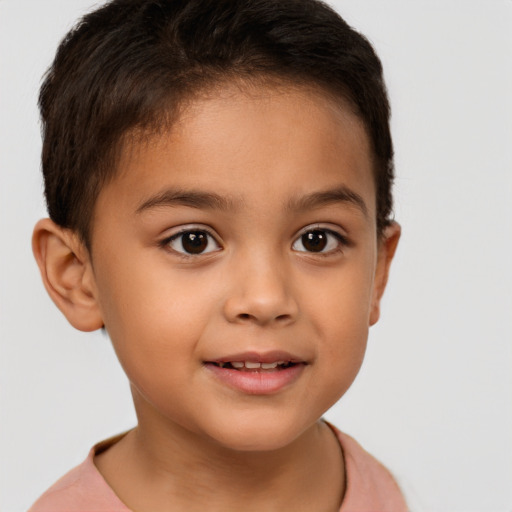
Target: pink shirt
[[370, 486]]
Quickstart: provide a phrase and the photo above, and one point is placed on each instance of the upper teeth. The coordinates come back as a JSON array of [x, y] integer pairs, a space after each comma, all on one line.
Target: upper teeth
[[252, 365]]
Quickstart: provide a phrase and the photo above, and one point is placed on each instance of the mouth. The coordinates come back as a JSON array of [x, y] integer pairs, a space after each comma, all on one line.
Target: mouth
[[257, 374], [251, 366]]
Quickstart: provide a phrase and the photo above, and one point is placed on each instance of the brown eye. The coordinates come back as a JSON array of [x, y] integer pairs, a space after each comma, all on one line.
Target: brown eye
[[314, 241], [319, 241], [193, 242]]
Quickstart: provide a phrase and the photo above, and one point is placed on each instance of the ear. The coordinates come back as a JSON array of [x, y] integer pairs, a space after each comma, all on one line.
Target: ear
[[67, 274], [386, 250]]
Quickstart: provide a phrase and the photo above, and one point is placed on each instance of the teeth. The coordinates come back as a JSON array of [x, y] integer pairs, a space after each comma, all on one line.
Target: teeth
[[250, 365]]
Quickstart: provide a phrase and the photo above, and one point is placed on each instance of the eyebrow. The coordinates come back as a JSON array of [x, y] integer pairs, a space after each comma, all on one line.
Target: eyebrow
[[191, 198], [341, 194], [212, 201]]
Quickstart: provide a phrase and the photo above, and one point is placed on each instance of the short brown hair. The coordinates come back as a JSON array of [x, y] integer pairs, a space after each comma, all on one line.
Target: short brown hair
[[131, 63]]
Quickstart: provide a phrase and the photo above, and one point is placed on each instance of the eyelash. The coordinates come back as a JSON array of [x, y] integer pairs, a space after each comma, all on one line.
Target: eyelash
[[166, 242], [341, 240]]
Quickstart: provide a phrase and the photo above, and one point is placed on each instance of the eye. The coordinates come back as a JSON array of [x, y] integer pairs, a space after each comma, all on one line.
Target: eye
[[192, 241], [319, 241]]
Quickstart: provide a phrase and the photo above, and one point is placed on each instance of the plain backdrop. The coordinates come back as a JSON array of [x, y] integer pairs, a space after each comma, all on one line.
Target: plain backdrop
[[434, 398]]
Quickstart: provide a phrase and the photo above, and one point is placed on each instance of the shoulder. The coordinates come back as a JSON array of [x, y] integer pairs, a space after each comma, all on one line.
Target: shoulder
[[369, 485], [82, 488]]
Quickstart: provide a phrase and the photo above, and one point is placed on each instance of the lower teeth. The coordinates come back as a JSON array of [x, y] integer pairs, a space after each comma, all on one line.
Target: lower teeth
[[270, 366]]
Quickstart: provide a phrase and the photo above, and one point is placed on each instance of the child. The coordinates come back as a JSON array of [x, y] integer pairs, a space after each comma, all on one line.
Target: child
[[218, 178]]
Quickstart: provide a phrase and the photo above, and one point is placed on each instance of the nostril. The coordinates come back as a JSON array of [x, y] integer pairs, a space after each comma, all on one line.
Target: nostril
[[248, 316], [247, 311]]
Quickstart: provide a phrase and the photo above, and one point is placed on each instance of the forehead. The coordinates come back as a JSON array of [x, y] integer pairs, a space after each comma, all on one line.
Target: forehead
[[251, 144]]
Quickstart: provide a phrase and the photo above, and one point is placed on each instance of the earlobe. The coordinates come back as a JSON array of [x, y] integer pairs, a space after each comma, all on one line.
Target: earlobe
[[386, 251], [67, 275]]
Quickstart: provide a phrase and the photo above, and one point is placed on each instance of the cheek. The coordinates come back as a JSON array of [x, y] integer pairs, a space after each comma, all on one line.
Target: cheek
[[340, 311], [154, 322], [341, 300], [146, 296]]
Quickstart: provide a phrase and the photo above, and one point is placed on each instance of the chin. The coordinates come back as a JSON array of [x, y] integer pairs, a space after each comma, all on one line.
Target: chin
[[257, 436]]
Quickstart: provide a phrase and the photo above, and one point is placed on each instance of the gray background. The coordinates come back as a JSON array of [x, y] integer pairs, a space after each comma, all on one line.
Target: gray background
[[434, 398]]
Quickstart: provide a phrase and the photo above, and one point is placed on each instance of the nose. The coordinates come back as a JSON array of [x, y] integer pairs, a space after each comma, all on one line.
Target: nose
[[260, 293]]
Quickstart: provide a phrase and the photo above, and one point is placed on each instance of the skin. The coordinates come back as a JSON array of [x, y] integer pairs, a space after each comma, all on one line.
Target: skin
[[200, 443]]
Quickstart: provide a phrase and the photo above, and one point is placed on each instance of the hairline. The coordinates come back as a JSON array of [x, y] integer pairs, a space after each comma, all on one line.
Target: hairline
[[173, 112]]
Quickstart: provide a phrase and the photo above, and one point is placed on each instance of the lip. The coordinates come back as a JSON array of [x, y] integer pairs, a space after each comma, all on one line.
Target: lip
[[262, 382], [257, 381], [260, 357]]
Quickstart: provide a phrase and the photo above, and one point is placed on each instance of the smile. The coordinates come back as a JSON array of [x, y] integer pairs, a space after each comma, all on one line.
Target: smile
[[254, 366], [257, 374]]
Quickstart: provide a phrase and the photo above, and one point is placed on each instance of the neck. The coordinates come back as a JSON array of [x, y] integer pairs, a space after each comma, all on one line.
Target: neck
[[159, 469]]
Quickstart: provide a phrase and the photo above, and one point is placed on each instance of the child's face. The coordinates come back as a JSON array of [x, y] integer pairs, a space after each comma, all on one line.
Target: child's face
[[247, 233]]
